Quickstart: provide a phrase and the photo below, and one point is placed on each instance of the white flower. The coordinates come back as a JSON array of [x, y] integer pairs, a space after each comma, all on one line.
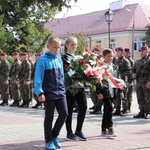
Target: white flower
[[92, 62], [71, 72], [77, 57]]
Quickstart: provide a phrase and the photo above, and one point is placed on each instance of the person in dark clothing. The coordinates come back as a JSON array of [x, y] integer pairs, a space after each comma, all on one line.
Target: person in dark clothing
[[106, 94], [50, 89], [79, 98]]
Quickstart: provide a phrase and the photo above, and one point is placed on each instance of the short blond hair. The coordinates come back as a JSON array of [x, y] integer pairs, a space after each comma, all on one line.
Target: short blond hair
[[52, 39]]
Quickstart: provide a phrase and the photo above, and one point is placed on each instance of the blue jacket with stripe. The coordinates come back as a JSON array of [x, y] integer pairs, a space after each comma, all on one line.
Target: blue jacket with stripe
[[49, 77]]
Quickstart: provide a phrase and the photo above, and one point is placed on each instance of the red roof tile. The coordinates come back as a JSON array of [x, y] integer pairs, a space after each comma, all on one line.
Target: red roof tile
[[94, 23]]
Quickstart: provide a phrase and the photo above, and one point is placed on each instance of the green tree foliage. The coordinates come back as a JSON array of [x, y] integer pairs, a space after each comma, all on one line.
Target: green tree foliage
[[147, 37], [82, 42], [22, 23]]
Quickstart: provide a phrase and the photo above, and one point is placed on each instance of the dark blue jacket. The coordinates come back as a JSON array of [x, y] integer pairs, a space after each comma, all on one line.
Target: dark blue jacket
[[49, 77]]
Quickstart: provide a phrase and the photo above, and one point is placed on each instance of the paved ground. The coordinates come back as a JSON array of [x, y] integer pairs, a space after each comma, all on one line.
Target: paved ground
[[22, 129]]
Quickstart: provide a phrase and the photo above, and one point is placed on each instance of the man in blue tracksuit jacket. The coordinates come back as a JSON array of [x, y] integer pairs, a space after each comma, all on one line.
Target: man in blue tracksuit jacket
[[49, 87]]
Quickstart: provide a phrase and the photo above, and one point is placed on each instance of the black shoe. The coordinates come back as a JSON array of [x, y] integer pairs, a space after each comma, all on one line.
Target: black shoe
[[15, 104], [116, 113], [71, 137], [4, 103], [123, 112], [128, 111], [139, 115], [24, 105], [76, 110], [91, 107], [96, 112], [80, 136], [37, 105]]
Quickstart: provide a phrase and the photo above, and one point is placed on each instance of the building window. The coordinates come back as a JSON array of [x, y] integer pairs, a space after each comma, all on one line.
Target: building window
[[138, 43], [98, 42], [112, 43]]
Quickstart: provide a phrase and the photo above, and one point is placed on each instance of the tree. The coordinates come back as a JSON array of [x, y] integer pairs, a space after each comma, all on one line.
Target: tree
[[24, 20], [147, 37]]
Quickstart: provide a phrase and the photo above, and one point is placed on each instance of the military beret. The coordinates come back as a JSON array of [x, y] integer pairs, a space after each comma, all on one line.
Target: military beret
[[119, 49], [96, 49], [38, 54], [127, 49], [143, 48], [15, 53], [2, 54], [24, 53]]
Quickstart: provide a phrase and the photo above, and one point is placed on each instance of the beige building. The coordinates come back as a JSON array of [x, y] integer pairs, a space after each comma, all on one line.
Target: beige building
[[126, 30]]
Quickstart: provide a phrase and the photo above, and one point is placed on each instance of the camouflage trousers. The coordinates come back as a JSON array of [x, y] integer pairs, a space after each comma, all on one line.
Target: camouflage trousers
[[25, 90], [143, 97], [4, 89], [95, 100], [15, 89]]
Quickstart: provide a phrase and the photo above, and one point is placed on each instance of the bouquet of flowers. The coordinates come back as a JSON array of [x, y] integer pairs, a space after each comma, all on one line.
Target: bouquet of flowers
[[88, 69]]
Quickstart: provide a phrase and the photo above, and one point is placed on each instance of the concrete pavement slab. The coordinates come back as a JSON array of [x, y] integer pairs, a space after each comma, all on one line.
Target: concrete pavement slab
[[22, 129]]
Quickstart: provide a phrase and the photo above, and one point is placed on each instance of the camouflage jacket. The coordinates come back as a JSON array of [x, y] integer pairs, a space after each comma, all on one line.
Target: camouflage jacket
[[124, 68], [14, 68], [4, 69], [142, 70], [132, 63], [24, 72]]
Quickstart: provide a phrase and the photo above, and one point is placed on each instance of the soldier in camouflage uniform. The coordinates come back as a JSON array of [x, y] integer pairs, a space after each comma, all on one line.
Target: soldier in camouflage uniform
[[127, 54], [97, 103], [24, 77], [13, 79], [4, 79], [38, 104], [124, 69], [31, 85], [141, 72]]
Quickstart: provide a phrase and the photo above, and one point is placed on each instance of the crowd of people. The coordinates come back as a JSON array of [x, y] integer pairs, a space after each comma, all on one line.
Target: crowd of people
[[44, 81]]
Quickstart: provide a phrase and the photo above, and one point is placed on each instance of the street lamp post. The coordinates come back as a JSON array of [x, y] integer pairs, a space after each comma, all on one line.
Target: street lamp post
[[109, 17]]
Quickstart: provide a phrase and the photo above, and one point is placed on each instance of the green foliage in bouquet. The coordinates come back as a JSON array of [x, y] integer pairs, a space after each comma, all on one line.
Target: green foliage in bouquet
[[75, 77]]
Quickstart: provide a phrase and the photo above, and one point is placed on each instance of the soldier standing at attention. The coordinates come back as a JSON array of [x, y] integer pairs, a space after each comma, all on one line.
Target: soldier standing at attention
[[38, 104], [124, 69], [13, 79], [4, 83], [141, 72], [31, 85], [127, 54], [24, 76], [97, 103]]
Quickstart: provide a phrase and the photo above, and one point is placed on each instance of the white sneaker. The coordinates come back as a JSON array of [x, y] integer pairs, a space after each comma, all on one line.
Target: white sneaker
[[111, 133]]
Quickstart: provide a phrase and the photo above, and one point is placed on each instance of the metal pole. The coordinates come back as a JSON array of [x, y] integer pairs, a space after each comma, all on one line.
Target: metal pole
[[133, 39], [109, 34]]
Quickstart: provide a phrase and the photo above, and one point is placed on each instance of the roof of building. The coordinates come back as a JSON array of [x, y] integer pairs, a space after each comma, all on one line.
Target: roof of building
[[94, 23]]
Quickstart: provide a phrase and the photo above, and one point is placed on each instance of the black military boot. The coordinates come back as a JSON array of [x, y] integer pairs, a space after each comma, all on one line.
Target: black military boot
[[97, 110], [123, 112], [4, 102], [117, 112], [38, 104], [140, 114], [23, 104], [15, 103], [147, 115], [26, 104]]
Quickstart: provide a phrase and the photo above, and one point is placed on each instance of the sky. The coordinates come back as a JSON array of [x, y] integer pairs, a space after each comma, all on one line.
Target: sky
[[86, 6]]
